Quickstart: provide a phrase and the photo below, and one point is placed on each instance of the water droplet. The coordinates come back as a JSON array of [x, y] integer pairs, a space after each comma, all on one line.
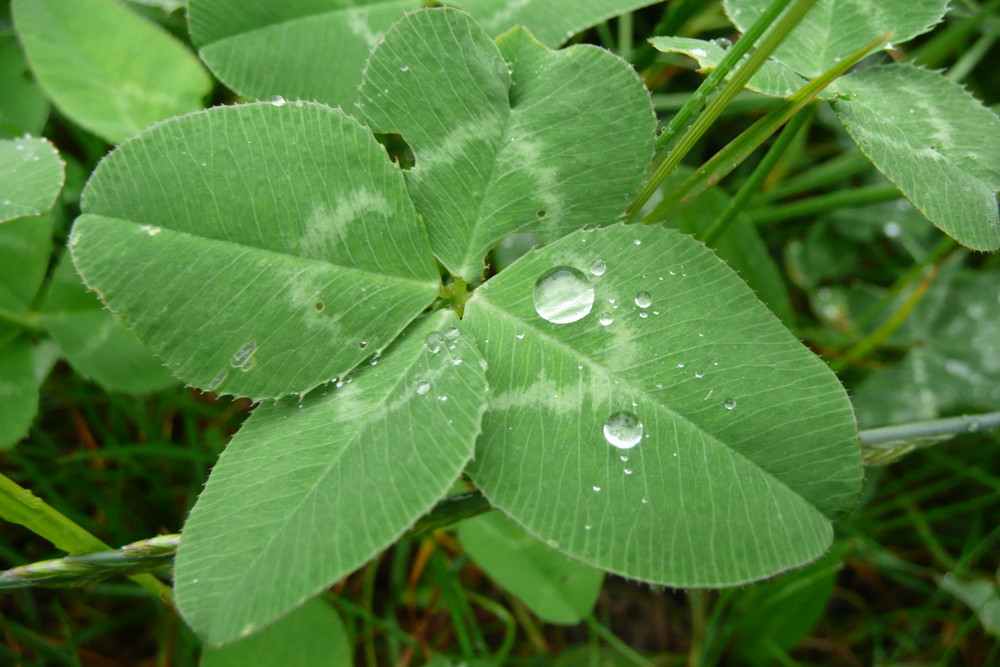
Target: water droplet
[[457, 361], [563, 295], [699, 374], [363, 344], [637, 242], [451, 334], [519, 336], [434, 342], [730, 403], [587, 527], [596, 488], [403, 67], [643, 314], [552, 543], [598, 267], [680, 365], [627, 471], [659, 385], [605, 319], [442, 398], [278, 101], [623, 430], [643, 300], [423, 388], [645, 501], [623, 458]]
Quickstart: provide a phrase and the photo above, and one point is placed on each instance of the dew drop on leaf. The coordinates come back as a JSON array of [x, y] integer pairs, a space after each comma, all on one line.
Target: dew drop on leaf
[[643, 300], [563, 295], [278, 101], [730, 403], [423, 388], [598, 267], [434, 342], [623, 430], [605, 319]]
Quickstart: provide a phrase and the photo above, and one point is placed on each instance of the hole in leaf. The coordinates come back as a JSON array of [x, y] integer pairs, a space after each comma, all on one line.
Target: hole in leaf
[[319, 306], [399, 151]]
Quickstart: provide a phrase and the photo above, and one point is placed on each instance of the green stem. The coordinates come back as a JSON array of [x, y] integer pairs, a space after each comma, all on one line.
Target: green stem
[[723, 162], [824, 203], [931, 428], [752, 185], [833, 171], [625, 36], [696, 599], [29, 321], [19, 505], [614, 642], [91, 560], [668, 161]]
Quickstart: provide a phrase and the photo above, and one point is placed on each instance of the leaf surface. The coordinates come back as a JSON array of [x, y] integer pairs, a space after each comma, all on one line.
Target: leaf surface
[[295, 35], [697, 438], [107, 68], [834, 29], [259, 249], [25, 248], [557, 589], [934, 141], [307, 492], [31, 176], [496, 137], [313, 634], [96, 343]]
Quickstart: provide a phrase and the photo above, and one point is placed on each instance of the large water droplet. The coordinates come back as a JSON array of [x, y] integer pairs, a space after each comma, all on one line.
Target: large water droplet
[[598, 267], [643, 300], [563, 295], [623, 430], [730, 403], [605, 319], [434, 342], [278, 101]]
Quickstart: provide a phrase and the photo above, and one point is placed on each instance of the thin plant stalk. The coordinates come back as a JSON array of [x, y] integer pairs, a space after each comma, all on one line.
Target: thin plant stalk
[[832, 201], [752, 185], [668, 161], [727, 159], [931, 428]]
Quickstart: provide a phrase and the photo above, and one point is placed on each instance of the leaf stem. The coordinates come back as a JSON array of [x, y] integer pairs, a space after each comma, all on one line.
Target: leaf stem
[[19, 505], [669, 160], [752, 185], [930, 428], [28, 321], [832, 171]]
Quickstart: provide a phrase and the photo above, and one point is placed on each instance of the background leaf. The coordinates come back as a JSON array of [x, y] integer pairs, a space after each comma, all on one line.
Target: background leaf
[[25, 248], [308, 491], [743, 442], [954, 359], [23, 107], [497, 142], [556, 588], [259, 249], [105, 67], [311, 635], [31, 175], [262, 48], [18, 388], [834, 29], [935, 142], [96, 343]]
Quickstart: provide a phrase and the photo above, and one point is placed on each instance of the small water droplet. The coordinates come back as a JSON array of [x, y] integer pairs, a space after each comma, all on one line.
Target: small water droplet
[[278, 101], [596, 488], [643, 300], [563, 295], [519, 336], [363, 344], [680, 365], [598, 267], [730, 403], [403, 67], [659, 385], [699, 374], [605, 319], [587, 527], [442, 398], [423, 388], [451, 334], [624, 458], [552, 543], [627, 471], [645, 501], [434, 342], [457, 361], [637, 242], [623, 430], [643, 314]]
